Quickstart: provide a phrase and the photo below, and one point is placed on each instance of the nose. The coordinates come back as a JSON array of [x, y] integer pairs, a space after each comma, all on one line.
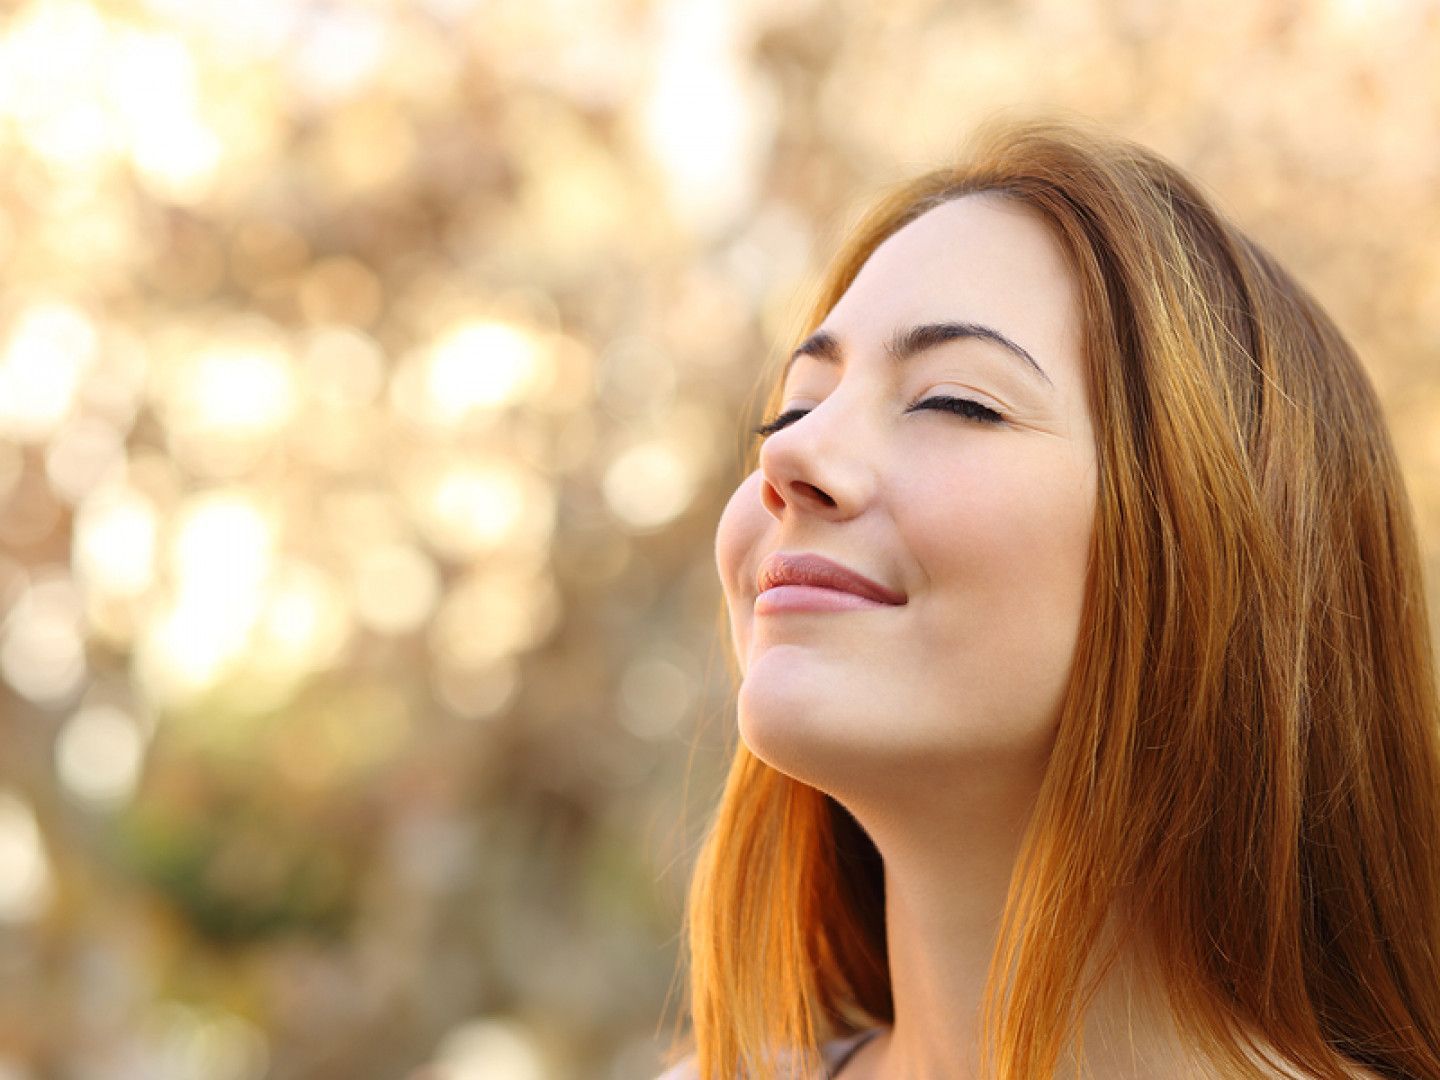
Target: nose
[[814, 466]]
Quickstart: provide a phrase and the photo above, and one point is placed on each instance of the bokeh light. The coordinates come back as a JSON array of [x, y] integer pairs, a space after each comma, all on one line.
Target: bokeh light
[[50, 348], [26, 887], [99, 754]]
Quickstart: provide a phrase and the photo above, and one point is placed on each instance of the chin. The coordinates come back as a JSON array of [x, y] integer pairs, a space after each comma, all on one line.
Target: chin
[[782, 727]]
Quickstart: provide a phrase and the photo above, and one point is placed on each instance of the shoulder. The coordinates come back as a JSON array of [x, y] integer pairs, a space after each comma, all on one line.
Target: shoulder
[[835, 1054], [681, 1070]]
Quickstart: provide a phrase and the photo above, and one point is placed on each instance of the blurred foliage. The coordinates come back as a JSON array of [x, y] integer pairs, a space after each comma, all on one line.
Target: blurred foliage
[[372, 376]]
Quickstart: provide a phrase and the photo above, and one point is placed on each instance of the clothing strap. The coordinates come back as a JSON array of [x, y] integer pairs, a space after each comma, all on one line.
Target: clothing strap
[[840, 1051]]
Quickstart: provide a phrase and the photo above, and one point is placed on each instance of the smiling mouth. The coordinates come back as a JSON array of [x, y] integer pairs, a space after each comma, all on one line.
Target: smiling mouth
[[813, 570]]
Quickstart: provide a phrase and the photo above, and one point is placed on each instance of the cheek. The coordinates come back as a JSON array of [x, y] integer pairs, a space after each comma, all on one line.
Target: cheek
[[1004, 554], [737, 536], [1009, 545]]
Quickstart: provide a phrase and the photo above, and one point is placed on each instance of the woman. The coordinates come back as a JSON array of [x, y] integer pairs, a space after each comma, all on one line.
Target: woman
[[1086, 694]]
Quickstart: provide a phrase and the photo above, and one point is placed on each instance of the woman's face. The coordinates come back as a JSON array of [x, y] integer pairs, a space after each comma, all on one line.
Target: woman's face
[[983, 525]]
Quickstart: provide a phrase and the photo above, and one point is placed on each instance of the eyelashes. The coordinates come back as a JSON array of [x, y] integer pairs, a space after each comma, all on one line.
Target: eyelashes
[[783, 420], [972, 410]]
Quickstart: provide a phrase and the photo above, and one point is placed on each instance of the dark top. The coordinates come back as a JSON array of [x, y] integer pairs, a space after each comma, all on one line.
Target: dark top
[[838, 1051]]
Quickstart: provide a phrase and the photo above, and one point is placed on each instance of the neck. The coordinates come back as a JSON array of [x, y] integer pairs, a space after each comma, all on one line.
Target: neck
[[945, 891]]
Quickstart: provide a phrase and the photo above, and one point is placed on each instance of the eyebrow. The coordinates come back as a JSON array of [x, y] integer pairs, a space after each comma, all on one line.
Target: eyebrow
[[908, 341]]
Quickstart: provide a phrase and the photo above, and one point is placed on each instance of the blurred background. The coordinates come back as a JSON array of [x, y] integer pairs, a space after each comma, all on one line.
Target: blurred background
[[372, 376]]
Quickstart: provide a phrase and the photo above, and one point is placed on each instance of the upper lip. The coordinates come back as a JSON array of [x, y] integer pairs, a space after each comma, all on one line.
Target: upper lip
[[806, 568]]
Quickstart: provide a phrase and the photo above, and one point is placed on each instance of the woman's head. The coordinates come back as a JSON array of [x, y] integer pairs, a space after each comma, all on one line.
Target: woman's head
[[1228, 679], [954, 469]]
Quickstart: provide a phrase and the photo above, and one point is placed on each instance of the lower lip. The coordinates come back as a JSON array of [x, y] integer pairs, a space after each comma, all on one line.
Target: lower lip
[[810, 598]]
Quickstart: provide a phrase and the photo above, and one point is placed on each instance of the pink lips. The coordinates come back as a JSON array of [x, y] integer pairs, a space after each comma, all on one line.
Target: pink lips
[[808, 582]]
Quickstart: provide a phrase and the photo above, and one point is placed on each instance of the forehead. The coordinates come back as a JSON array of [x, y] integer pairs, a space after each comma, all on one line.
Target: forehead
[[981, 257]]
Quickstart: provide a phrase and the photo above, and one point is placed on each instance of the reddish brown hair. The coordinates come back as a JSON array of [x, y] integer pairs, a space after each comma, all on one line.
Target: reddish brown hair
[[1250, 741]]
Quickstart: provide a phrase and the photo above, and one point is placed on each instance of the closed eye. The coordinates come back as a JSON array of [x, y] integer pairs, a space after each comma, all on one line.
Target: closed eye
[[963, 406]]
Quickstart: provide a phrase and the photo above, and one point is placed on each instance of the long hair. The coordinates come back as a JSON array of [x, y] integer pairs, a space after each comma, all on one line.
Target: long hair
[[1248, 750]]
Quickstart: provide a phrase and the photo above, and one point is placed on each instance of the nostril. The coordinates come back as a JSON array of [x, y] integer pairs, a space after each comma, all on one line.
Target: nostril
[[826, 499], [773, 501], [769, 497]]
